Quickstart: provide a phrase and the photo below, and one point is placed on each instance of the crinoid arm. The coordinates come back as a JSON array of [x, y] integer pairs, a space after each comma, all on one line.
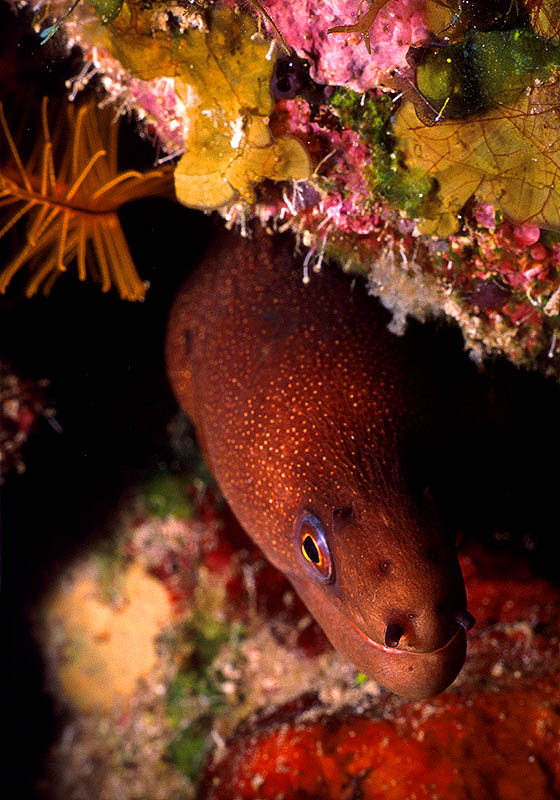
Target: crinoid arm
[[363, 24], [262, 10]]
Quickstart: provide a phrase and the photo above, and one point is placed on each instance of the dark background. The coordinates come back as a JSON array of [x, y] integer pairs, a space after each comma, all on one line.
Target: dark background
[[494, 467], [104, 360]]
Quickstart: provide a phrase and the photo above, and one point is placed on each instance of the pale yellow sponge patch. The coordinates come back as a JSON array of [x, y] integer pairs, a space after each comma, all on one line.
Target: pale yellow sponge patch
[[106, 647], [222, 78]]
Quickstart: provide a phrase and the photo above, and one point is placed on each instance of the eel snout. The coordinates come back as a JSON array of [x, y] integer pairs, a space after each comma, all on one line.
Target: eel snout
[[425, 632], [399, 659]]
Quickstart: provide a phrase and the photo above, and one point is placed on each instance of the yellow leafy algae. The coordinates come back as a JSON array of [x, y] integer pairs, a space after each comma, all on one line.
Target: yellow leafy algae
[[508, 156], [222, 76], [545, 18]]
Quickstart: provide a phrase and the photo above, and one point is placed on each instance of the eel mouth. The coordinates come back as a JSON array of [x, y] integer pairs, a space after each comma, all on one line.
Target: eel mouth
[[412, 675], [395, 651]]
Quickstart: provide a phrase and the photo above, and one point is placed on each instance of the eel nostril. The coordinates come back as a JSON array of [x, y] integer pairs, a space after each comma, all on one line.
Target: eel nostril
[[393, 633], [464, 619]]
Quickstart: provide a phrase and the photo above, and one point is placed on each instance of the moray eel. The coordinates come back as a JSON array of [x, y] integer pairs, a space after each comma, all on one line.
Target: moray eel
[[304, 405]]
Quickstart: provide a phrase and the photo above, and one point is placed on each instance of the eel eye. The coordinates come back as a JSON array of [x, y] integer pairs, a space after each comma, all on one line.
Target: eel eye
[[314, 548]]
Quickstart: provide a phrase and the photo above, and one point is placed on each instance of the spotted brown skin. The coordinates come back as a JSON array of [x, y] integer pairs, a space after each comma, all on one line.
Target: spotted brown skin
[[306, 406]]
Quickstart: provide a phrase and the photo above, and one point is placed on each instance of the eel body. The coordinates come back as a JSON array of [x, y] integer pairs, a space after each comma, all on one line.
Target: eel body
[[306, 408]]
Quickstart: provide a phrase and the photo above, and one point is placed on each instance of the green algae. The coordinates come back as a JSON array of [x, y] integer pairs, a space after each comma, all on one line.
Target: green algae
[[451, 19], [164, 496], [550, 238], [188, 750], [108, 10], [483, 69], [388, 178], [184, 696], [195, 698]]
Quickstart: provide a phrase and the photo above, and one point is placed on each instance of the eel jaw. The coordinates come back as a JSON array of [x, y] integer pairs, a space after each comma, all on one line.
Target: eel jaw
[[401, 650], [412, 675]]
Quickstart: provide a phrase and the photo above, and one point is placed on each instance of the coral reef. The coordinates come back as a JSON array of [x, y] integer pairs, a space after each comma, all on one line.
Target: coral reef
[[418, 146], [452, 749], [244, 686]]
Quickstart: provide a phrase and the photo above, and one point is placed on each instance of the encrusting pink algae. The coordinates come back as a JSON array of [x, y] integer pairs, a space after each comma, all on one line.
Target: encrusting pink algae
[[342, 59]]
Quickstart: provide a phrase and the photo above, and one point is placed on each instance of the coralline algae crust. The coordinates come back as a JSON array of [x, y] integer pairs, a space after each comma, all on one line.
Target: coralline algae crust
[[343, 59]]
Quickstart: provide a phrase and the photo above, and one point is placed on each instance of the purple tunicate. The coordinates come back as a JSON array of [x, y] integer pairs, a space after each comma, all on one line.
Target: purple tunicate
[[489, 294], [288, 76]]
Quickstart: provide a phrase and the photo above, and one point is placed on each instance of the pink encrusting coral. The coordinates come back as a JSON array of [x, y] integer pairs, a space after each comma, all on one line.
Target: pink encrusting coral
[[343, 200], [342, 58], [485, 215], [155, 102], [526, 235], [160, 103], [511, 283]]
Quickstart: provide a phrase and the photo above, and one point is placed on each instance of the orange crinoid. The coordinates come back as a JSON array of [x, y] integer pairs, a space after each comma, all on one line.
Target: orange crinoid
[[68, 191]]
